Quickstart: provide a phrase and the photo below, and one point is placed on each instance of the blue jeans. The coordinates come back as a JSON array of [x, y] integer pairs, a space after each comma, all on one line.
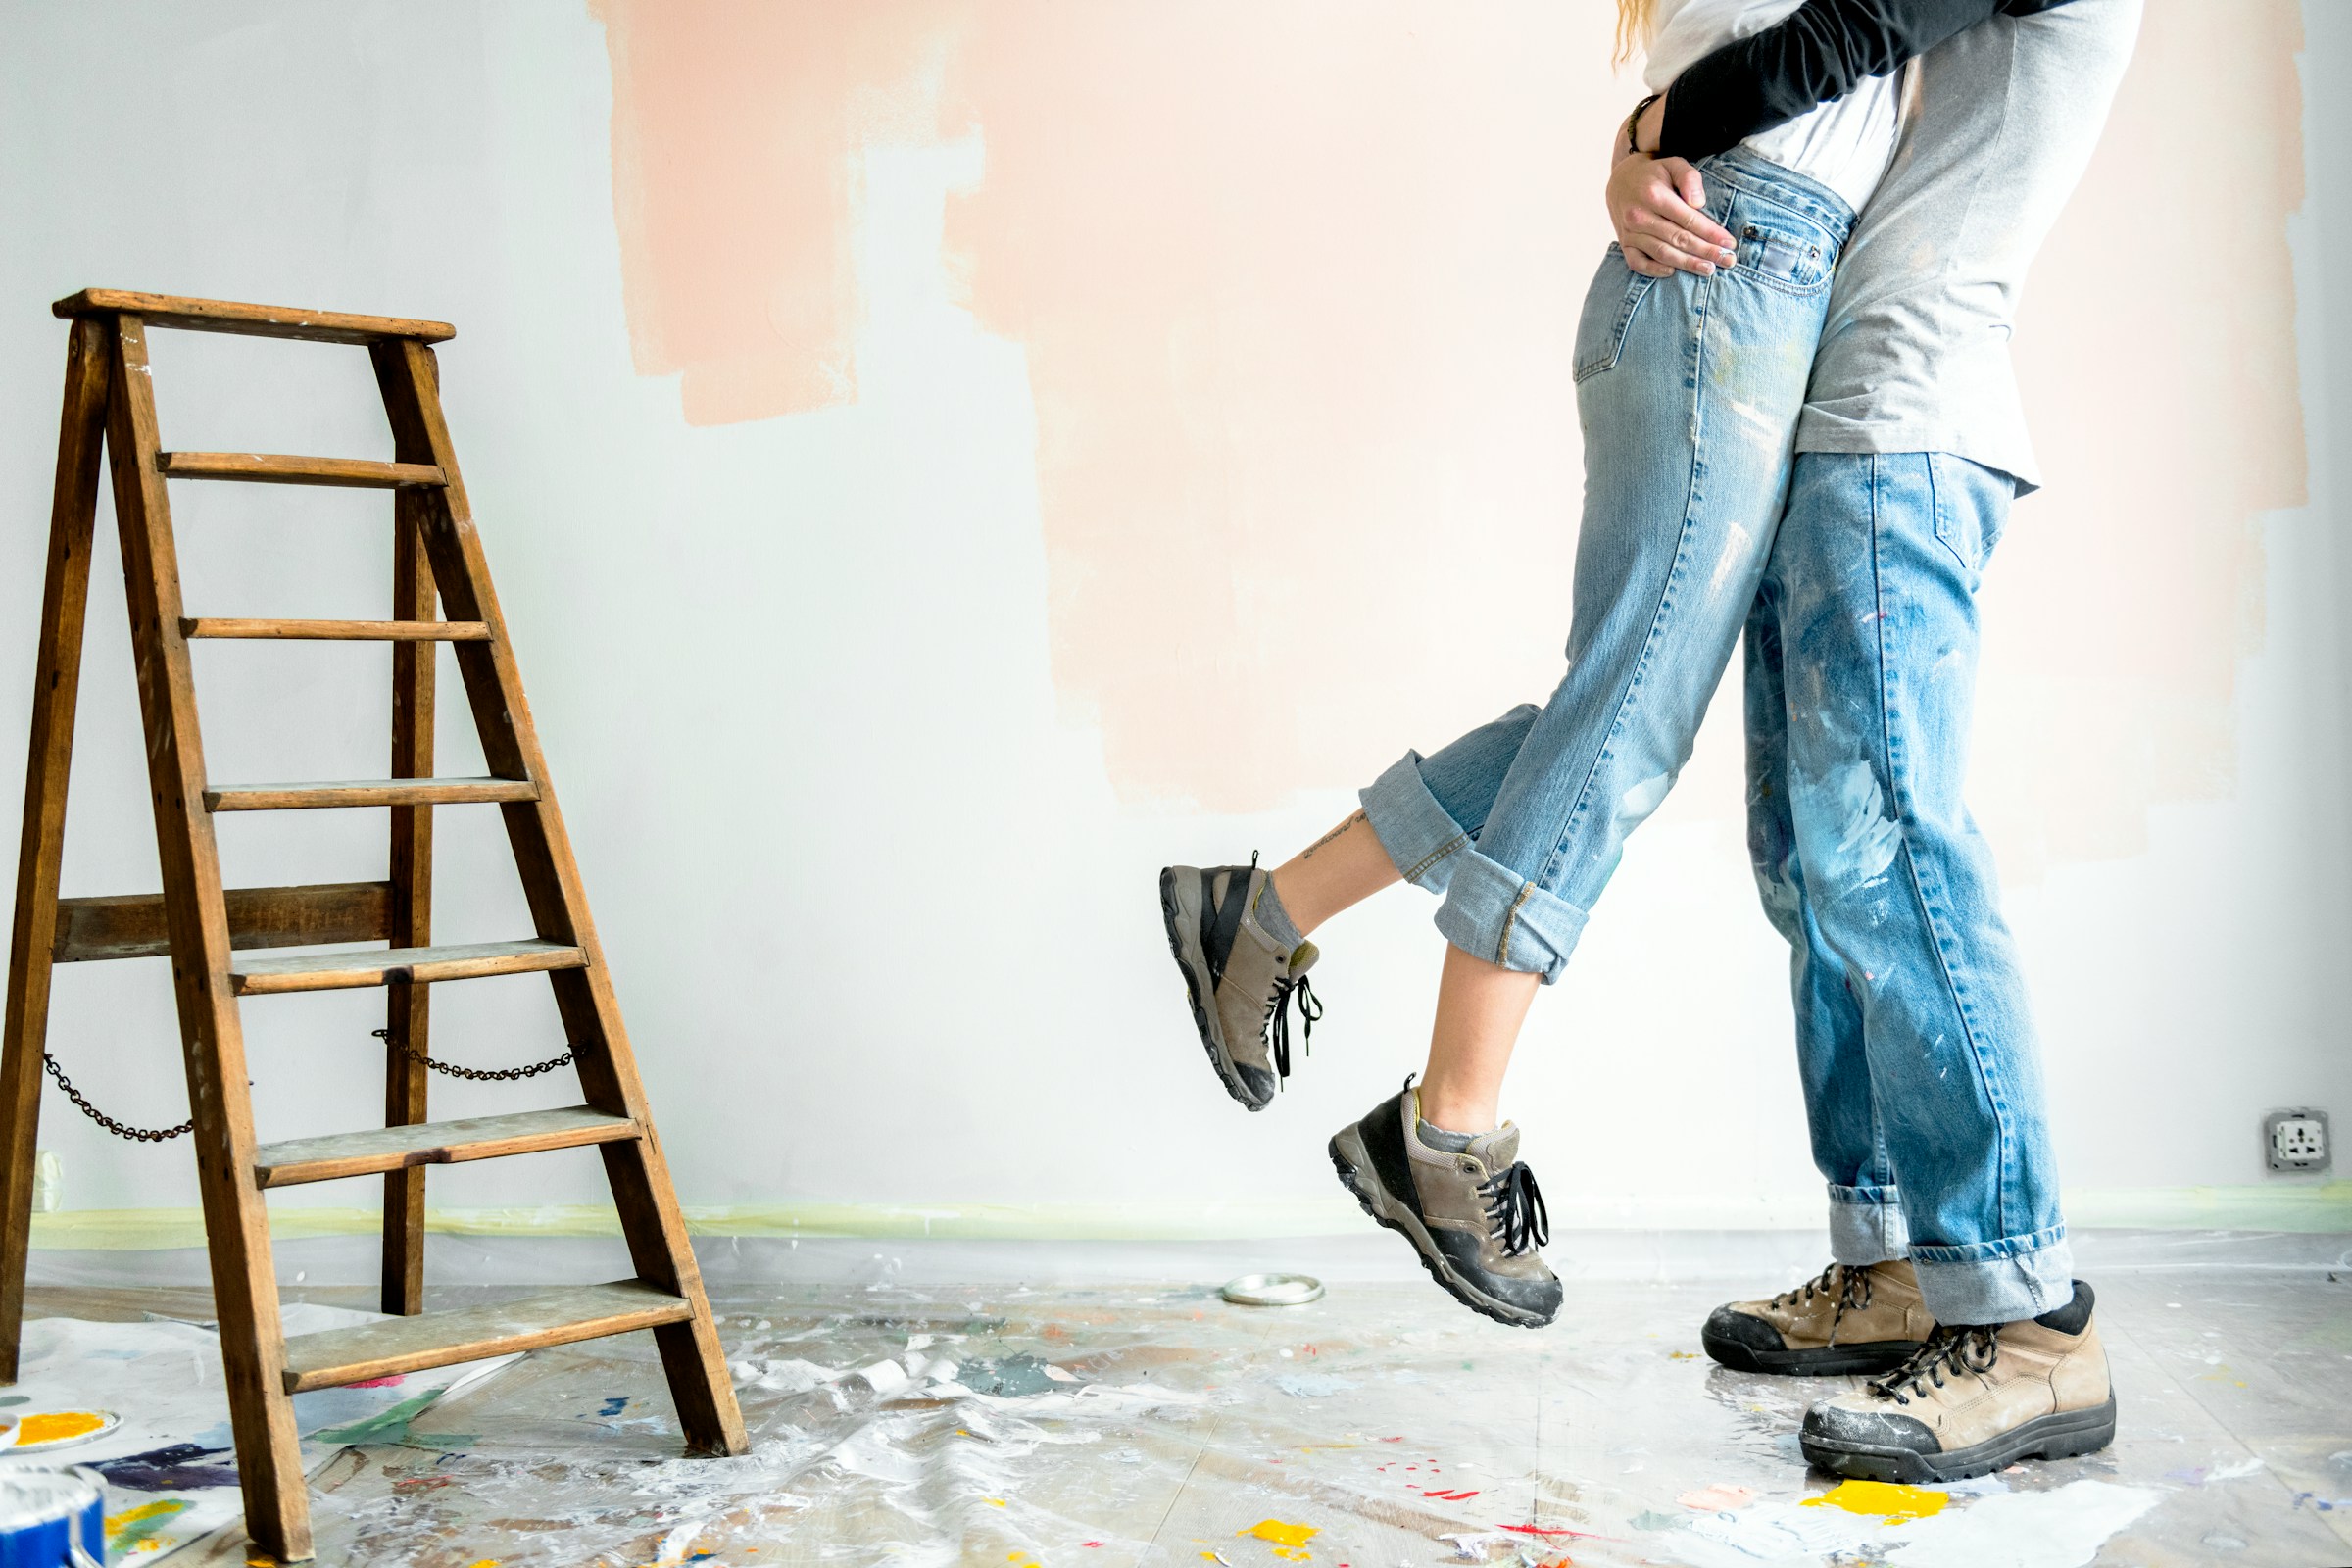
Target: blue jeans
[[1687, 390], [1914, 1038]]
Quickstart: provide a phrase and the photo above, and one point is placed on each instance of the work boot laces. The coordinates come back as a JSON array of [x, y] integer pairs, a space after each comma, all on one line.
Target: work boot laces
[[1277, 1027], [1953, 1349], [1515, 1212], [1850, 1285]]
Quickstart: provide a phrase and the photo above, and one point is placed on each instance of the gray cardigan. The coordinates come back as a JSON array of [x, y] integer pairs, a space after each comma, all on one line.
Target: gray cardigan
[[1999, 124]]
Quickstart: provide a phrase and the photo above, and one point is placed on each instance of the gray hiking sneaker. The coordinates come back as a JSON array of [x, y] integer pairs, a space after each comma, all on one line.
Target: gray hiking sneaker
[[1475, 1218], [1241, 980]]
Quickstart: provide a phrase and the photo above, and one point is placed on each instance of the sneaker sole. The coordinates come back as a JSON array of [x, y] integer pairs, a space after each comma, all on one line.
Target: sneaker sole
[[1867, 1359], [1353, 1162], [2060, 1435], [1183, 922]]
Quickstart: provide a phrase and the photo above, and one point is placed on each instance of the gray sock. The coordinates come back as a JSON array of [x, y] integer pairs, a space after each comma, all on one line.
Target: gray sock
[[1440, 1138], [1276, 919]]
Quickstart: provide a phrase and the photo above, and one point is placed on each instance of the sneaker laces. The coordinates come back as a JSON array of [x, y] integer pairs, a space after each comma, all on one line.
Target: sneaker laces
[[1515, 1212], [1949, 1349], [1277, 1027]]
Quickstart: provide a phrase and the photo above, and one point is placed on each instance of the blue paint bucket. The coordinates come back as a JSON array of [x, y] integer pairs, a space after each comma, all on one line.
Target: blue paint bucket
[[52, 1519]]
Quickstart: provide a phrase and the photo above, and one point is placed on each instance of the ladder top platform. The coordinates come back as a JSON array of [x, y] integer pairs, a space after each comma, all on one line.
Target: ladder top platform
[[249, 320]]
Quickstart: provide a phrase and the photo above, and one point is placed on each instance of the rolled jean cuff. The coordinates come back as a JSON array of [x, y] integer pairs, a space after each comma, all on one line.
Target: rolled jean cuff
[[1417, 832], [1493, 913], [1997, 1282], [1867, 1226]]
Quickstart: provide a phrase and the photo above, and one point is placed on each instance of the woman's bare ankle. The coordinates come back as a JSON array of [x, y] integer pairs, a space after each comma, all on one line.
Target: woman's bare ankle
[[1459, 1111]]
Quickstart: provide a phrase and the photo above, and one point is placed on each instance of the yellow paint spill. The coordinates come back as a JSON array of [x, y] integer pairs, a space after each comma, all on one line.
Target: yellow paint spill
[[1881, 1500], [58, 1427], [1290, 1541]]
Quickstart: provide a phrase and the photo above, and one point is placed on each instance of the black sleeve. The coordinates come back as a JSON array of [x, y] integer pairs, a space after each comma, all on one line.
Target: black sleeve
[[1817, 54]]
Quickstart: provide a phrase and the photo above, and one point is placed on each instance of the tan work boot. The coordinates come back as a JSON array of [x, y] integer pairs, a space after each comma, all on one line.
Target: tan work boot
[[1844, 1321], [1475, 1217], [1974, 1401], [1241, 980]]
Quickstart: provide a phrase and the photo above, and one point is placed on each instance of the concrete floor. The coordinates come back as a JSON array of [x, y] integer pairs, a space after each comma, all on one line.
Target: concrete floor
[[1157, 1424]]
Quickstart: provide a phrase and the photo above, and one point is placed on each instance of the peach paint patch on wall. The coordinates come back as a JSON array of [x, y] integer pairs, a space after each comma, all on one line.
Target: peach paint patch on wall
[[735, 125], [1298, 287], [2157, 352]]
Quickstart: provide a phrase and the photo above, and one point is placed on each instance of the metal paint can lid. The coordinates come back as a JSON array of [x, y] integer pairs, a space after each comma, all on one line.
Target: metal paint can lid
[[1273, 1290]]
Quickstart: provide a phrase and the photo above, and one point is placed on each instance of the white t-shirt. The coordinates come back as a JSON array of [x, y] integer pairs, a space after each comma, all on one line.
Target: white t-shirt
[[1845, 144]]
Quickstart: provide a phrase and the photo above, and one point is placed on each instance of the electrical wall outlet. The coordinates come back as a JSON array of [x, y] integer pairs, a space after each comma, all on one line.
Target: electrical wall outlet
[[2296, 1140]]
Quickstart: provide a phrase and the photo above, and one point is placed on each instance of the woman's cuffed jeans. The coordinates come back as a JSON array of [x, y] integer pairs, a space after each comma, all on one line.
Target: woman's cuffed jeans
[[1688, 391]]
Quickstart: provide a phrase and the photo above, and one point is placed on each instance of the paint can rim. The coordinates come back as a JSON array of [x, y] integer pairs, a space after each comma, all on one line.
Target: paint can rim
[[1273, 1290]]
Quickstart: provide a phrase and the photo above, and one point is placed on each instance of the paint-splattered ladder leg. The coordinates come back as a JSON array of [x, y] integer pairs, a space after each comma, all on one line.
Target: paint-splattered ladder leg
[[406, 1014], [57, 681], [649, 1217], [212, 1040]]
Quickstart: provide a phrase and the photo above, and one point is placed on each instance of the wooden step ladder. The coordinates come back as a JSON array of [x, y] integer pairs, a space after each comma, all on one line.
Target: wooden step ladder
[[110, 402]]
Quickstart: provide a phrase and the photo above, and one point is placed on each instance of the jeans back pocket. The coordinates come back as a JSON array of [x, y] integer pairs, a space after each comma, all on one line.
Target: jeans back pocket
[[1971, 504], [1777, 245], [1610, 304]]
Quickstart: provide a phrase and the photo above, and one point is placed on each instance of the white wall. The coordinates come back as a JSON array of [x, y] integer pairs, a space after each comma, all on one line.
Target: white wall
[[883, 928]]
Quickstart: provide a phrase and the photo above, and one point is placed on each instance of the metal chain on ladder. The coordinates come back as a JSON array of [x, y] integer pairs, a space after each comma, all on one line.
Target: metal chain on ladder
[[144, 1135], [476, 1073], [157, 1135]]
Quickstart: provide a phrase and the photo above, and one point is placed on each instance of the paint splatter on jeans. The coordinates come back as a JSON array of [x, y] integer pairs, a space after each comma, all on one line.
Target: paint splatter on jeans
[[1921, 1074]]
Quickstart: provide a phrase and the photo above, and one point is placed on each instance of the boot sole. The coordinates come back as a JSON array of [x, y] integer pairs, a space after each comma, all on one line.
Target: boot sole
[[1183, 924], [1353, 1162], [1867, 1359], [2060, 1435]]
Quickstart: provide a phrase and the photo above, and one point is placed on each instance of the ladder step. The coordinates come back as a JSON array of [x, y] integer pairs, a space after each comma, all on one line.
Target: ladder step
[[249, 320], [376, 1150], [334, 1356], [352, 631], [265, 467], [367, 792], [378, 966]]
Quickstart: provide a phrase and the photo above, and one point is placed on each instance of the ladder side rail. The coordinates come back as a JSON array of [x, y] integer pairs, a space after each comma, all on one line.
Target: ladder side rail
[[407, 1013], [212, 1039], [56, 685], [651, 1220]]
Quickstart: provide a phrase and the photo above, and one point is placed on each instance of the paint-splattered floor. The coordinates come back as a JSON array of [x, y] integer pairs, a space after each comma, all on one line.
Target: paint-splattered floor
[[1382, 1425]]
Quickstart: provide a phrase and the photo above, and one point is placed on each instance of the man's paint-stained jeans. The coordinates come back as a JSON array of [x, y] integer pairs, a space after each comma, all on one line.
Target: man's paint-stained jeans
[[1688, 391], [1914, 1037]]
